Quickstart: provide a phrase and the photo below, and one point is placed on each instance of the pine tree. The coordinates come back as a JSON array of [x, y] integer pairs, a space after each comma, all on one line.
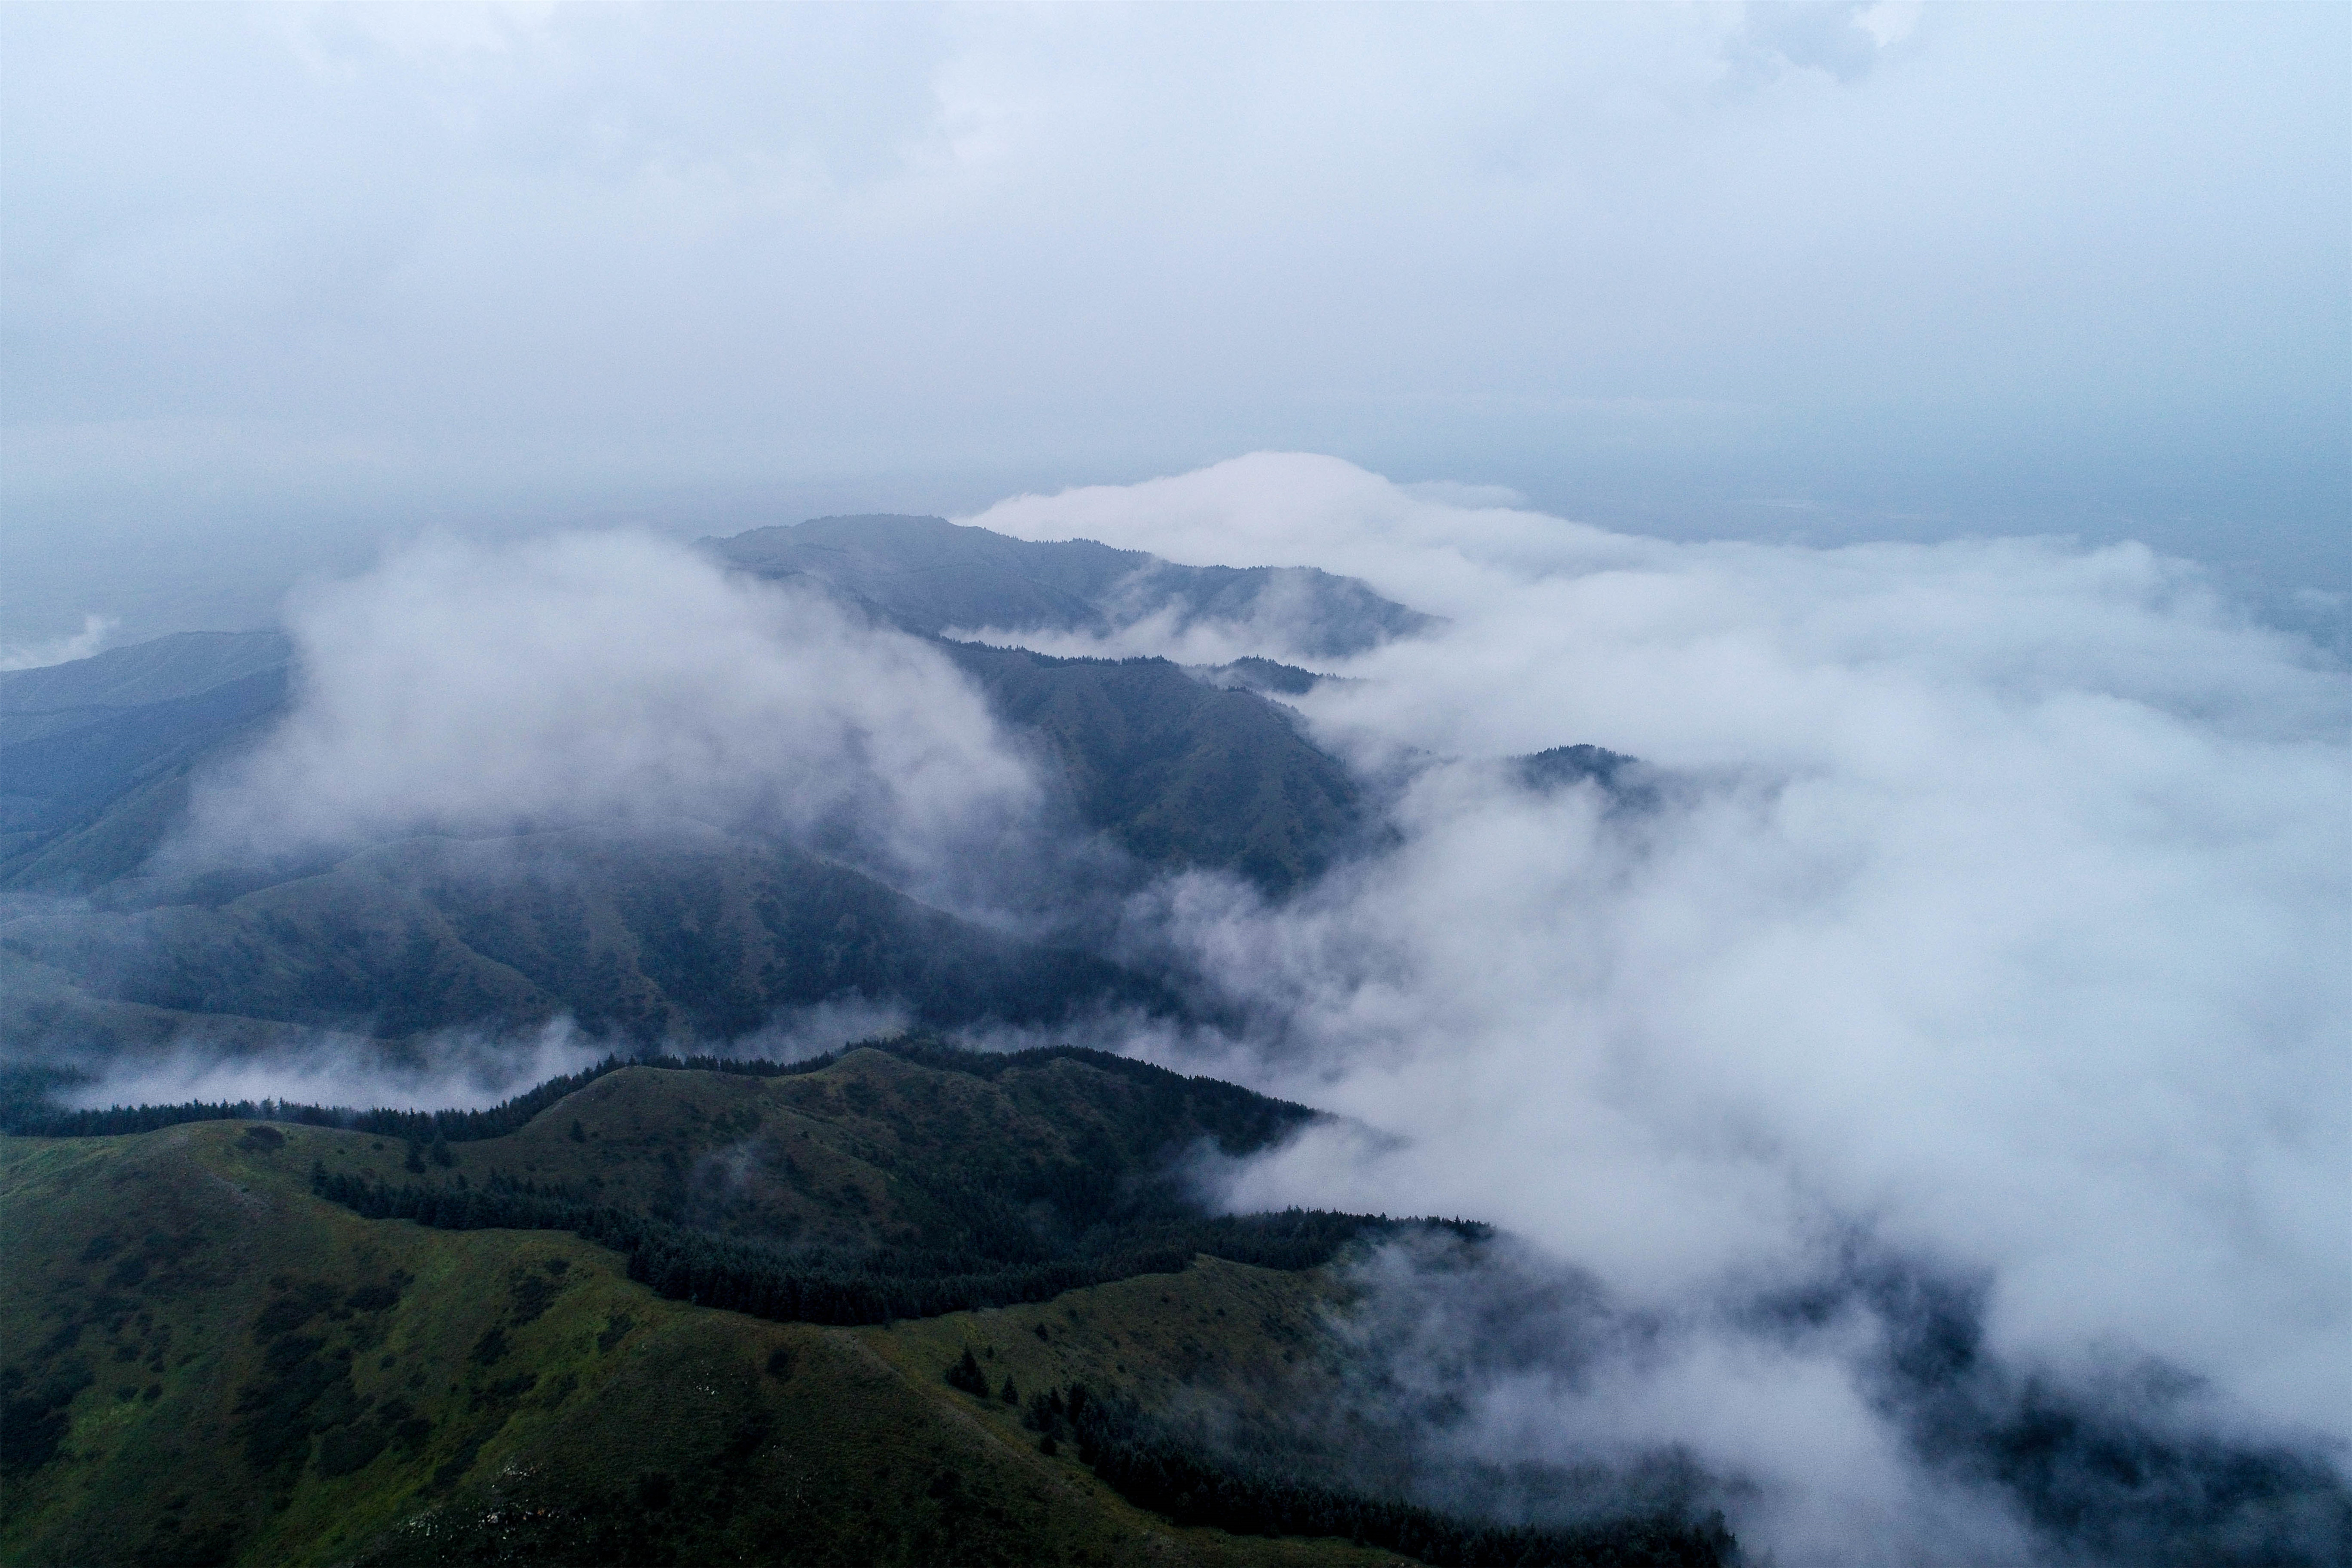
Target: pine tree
[[966, 1375]]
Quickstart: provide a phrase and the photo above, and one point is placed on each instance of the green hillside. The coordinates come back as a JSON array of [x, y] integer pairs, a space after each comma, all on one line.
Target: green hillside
[[203, 1362], [208, 1365]]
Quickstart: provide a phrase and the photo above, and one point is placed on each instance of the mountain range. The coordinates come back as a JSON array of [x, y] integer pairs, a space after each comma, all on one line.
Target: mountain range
[[905, 1303], [693, 931]]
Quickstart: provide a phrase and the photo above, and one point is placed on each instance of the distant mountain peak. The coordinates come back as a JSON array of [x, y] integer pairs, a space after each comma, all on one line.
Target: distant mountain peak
[[1627, 780], [932, 576], [1266, 676]]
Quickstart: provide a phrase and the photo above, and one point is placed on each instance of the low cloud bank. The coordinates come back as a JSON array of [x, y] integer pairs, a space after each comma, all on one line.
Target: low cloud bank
[[452, 1069], [1853, 1416], [611, 677], [96, 630], [796, 1034], [460, 1069], [1996, 915]]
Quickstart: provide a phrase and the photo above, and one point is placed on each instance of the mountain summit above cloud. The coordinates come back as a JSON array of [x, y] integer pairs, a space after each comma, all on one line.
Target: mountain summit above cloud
[[934, 577]]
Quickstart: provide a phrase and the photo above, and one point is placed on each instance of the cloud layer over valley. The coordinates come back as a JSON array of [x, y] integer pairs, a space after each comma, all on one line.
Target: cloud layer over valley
[[1992, 916]]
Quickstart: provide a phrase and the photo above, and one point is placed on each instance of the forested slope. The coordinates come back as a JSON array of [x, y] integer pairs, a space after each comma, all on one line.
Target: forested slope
[[1178, 771], [654, 931], [687, 931], [205, 1361]]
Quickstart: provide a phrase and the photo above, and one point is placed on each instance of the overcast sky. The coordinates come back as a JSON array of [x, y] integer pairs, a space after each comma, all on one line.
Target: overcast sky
[[276, 279]]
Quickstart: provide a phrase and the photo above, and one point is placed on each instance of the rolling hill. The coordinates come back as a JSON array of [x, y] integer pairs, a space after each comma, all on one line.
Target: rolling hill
[[209, 1360]]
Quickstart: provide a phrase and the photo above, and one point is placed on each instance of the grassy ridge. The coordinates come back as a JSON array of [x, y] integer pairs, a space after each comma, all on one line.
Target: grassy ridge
[[908, 1145], [205, 1363], [872, 1286], [327, 1389], [31, 1115], [983, 1179]]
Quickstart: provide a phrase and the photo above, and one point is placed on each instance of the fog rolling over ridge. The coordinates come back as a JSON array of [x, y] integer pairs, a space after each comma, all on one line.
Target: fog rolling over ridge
[[1998, 923], [590, 678], [597, 776], [1919, 1104]]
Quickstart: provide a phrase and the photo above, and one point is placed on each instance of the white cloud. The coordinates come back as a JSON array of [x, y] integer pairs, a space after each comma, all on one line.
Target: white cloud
[[91, 638], [610, 678], [455, 1069], [1999, 913]]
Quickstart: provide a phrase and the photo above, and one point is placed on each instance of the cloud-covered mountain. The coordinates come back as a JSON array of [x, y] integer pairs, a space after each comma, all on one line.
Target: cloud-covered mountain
[[597, 780]]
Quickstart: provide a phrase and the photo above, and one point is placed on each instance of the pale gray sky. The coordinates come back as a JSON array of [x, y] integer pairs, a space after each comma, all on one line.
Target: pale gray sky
[[278, 278]]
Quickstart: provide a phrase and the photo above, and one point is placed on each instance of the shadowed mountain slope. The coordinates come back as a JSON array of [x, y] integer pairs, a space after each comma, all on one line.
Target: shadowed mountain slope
[[651, 935], [933, 576], [94, 754], [1178, 771], [186, 664]]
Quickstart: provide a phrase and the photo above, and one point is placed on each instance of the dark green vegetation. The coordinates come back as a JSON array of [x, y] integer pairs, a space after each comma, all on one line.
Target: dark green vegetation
[[1626, 783], [684, 930], [981, 1181], [812, 1285], [931, 576], [207, 1364], [1190, 1484]]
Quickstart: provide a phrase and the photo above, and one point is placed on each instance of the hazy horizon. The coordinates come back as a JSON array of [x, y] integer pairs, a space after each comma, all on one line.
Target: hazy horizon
[[284, 281]]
